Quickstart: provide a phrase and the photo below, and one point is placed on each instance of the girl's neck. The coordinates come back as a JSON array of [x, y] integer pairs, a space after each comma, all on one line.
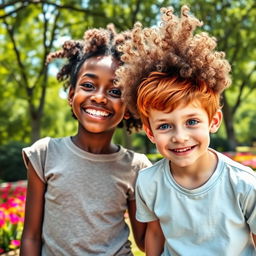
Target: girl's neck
[[96, 143], [195, 176]]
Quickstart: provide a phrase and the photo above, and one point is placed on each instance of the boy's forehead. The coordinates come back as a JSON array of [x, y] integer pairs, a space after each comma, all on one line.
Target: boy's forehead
[[192, 107]]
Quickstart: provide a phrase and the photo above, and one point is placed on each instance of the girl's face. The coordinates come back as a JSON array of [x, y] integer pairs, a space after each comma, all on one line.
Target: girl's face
[[96, 101]]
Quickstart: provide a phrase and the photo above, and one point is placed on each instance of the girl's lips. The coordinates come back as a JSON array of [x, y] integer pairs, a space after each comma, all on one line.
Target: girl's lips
[[97, 113]]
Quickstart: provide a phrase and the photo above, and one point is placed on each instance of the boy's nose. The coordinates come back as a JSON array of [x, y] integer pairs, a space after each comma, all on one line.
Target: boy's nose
[[179, 136]]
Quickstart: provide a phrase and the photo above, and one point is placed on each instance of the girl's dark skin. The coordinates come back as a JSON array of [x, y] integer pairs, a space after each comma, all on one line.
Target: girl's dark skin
[[98, 108]]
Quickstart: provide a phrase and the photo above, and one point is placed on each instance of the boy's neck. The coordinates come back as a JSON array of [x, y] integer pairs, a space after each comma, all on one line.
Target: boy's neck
[[192, 177]]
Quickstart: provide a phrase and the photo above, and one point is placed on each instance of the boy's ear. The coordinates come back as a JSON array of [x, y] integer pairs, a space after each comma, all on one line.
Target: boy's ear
[[71, 93], [149, 133], [216, 121]]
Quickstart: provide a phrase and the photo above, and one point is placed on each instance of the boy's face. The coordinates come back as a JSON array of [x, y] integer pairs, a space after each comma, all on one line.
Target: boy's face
[[182, 136], [96, 101]]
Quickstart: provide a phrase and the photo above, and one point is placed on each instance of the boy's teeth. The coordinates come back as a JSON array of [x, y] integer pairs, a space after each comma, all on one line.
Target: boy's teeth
[[96, 112], [182, 150]]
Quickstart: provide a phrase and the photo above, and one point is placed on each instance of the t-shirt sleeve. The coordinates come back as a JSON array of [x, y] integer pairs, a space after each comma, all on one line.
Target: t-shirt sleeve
[[140, 162], [36, 155], [250, 208], [143, 212]]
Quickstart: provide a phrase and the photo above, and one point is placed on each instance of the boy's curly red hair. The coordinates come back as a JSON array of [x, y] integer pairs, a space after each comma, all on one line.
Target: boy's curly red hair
[[163, 92], [174, 49]]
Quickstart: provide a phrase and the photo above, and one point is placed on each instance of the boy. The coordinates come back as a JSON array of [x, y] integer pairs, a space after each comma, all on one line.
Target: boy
[[196, 201]]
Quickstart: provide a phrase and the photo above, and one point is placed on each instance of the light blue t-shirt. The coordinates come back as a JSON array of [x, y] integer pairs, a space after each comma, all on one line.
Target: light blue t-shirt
[[214, 219]]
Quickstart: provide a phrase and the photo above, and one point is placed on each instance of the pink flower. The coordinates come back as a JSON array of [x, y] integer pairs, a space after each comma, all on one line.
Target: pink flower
[[14, 219], [15, 243]]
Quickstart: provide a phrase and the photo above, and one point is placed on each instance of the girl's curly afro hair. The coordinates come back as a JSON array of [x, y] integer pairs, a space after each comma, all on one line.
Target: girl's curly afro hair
[[96, 42]]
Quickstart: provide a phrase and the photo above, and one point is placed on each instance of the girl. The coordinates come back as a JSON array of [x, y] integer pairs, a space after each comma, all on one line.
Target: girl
[[79, 187]]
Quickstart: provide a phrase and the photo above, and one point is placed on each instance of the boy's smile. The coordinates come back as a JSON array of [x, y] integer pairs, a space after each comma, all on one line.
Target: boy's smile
[[182, 136]]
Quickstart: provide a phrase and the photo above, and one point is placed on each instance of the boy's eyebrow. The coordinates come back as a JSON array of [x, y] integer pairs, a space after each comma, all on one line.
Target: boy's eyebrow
[[186, 116]]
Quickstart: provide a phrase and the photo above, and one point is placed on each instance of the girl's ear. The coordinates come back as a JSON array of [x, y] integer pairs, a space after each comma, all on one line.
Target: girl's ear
[[71, 93], [127, 114], [216, 121], [149, 133]]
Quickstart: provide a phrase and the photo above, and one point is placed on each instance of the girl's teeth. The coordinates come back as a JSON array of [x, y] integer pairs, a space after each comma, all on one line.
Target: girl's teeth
[[96, 112]]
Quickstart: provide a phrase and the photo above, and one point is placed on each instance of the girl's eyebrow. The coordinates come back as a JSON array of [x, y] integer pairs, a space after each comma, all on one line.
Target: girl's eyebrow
[[91, 75]]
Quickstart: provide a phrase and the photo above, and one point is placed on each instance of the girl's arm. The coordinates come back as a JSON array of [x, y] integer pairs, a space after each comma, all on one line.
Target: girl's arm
[[254, 239], [154, 241], [31, 236], [138, 228]]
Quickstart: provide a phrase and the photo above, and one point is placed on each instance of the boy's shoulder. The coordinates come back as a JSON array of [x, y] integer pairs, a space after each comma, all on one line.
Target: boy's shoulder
[[237, 171], [154, 170]]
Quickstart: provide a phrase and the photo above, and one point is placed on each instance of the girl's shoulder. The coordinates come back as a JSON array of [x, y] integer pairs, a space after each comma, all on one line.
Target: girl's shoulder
[[44, 142], [136, 158]]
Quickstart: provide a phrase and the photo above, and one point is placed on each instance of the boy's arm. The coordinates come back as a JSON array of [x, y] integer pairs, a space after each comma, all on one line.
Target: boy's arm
[[138, 228], [32, 231], [154, 241]]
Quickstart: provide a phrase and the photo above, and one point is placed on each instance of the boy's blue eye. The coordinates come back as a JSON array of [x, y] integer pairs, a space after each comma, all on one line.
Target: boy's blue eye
[[192, 122], [164, 126], [115, 92]]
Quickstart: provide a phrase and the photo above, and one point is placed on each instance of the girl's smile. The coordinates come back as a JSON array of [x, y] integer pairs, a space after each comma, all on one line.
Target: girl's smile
[[96, 101]]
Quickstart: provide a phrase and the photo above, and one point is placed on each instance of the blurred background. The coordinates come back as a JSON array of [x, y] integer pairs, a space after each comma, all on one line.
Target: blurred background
[[33, 104]]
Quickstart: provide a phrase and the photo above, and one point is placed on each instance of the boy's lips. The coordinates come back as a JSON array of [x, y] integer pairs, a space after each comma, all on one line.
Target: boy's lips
[[182, 150]]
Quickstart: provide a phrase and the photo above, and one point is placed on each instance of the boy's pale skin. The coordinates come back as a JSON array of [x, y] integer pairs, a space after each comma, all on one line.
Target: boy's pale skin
[[182, 136]]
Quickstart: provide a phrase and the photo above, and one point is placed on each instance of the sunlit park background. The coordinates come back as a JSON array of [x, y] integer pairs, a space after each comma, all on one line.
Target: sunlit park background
[[33, 104]]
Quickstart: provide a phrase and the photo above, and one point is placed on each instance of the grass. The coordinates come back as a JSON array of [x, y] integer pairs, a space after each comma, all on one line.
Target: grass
[[135, 249]]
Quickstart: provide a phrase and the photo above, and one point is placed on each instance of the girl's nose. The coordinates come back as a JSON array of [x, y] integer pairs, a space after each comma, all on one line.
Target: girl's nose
[[99, 97]]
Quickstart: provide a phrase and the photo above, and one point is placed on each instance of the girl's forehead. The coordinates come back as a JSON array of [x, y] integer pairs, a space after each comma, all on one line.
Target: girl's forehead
[[104, 61], [99, 67]]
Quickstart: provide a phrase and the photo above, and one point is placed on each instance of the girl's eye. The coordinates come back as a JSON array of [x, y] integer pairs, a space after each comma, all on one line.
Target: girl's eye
[[87, 85], [164, 126], [115, 92], [192, 122]]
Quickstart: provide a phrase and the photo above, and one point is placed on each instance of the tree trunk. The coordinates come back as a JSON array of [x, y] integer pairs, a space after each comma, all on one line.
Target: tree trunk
[[35, 128], [228, 121]]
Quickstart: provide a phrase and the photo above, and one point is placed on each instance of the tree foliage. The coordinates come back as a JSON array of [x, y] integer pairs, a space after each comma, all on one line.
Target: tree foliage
[[30, 106]]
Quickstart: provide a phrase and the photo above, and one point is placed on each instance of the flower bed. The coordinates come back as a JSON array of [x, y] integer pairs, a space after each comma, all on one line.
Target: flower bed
[[12, 205], [245, 158]]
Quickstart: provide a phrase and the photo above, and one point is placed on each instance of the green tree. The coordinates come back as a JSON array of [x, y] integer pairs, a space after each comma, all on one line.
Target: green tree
[[232, 23], [30, 29]]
